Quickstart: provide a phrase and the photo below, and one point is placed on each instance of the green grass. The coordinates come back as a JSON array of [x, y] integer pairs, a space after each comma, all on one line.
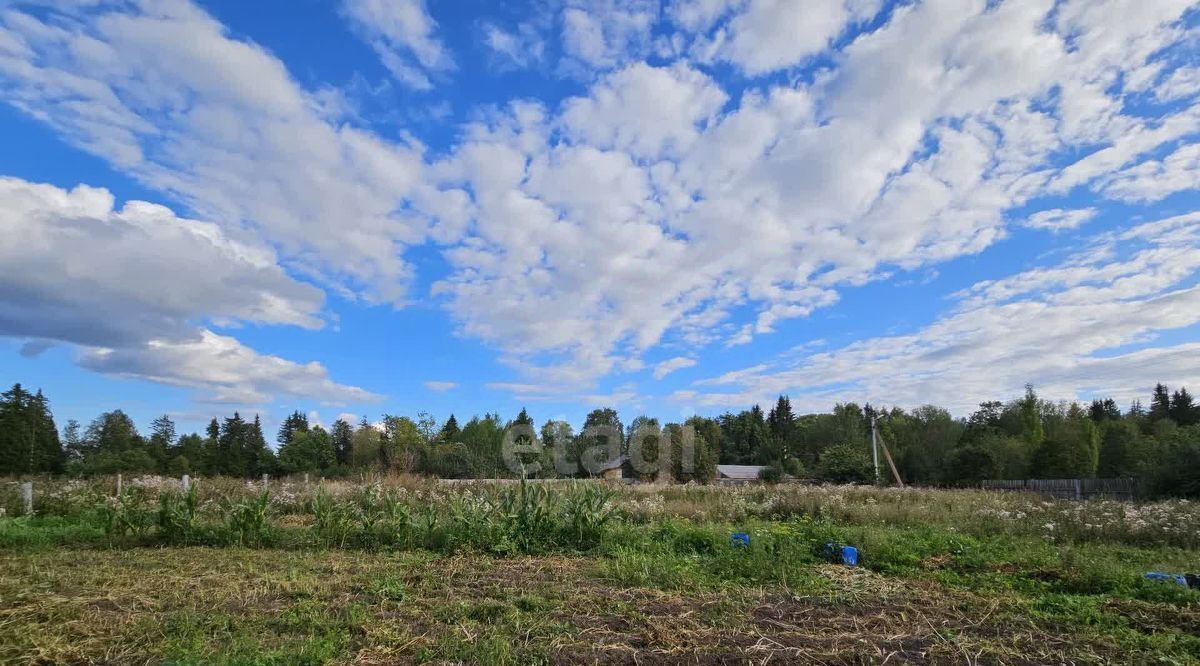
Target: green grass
[[513, 576]]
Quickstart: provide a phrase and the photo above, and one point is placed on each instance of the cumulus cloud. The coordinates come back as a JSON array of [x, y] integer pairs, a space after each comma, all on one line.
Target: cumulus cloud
[[160, 91], [769, 35], [79, 270], [130, 285], [1078, 328], [659, 203], [645, 111], [403, 34], [605, 33], [655, 215]]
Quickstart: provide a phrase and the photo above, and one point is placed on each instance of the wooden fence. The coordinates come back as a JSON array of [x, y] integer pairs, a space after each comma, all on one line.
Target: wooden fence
[[1078, 489]]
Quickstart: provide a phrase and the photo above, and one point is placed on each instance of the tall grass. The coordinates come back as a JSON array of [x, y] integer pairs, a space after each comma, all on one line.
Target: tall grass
[[409, 512]]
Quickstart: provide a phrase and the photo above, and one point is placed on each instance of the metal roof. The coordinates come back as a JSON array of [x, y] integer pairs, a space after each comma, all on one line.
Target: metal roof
[[740, 471]]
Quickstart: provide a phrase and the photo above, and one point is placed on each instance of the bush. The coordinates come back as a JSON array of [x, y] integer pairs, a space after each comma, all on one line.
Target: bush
[[793, 467], [771, 474], [845, 463]]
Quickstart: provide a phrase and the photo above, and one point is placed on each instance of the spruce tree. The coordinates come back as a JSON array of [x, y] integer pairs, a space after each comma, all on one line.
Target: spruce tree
[[343, 441], [162, 439], [451, 433], [295, 422], [1182, 409], [1160, 403]]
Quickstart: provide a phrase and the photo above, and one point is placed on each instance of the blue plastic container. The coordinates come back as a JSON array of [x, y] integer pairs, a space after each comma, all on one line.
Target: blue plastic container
[[1178, 579], [739, 540], [850, 556]]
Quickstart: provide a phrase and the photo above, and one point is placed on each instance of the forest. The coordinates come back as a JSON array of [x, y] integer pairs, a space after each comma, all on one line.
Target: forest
[[1026, 437]]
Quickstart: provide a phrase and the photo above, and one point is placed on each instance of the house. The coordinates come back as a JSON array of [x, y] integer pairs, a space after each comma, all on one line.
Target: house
[[613, 469], [738, 473]]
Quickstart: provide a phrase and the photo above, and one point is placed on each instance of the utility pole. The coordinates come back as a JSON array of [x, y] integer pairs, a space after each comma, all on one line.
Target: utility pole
[[874, 449]]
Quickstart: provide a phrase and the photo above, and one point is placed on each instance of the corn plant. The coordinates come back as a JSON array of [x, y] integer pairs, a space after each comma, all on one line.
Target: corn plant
[[528, 516], [382, 518], [248, 519], [588, 511], [127, 514], [333, 521], [177, 516]]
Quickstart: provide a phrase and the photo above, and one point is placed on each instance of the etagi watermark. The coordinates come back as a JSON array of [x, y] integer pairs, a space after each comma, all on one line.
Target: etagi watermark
[[649, 450]]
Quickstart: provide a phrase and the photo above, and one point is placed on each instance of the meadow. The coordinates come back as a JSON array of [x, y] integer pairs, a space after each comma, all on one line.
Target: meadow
[[411, 570]]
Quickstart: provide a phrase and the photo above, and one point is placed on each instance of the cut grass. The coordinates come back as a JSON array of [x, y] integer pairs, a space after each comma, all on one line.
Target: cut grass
[[243, 606]]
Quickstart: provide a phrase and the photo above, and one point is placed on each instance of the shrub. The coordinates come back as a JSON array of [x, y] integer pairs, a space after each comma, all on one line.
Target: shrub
[[771, 474], [845, 463]]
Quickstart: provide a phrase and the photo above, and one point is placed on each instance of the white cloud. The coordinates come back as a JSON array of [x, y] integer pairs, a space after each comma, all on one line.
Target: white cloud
[[671, 365], [1183, 82], [441, 386], [768, 35], [698, 15], [131, 285], [515, 49], [650, 217], [602, 34], [1058, 219], [655, 205], [79, 270], [1068, 328], [1155, 179], [646, 111], [403, 34], [224, 369], [160, 91]]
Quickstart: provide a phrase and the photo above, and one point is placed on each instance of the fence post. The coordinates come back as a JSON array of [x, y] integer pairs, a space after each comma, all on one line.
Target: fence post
[[118, 484], [265, 481], [306, 478], [27, 497], [186, 482], [1078, 489]]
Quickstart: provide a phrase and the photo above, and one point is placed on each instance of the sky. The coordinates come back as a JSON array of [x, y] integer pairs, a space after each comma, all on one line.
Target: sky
[[669, 207]]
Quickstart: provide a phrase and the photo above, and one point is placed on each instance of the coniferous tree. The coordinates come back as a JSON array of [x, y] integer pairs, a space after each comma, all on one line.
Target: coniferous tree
[[1104, 410], [261, 458], [295, 422], [162, 439], [343, 441], [1160, 403], [74, 450], [450, 432], [781, 423], [1182, 410], [20, 425], [210, 460]]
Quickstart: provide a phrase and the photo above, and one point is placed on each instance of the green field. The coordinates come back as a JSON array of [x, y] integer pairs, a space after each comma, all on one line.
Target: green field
[[419, 572]]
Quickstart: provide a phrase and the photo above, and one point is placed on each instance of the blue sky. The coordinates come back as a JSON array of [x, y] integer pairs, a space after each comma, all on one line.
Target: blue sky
[[669, 207]]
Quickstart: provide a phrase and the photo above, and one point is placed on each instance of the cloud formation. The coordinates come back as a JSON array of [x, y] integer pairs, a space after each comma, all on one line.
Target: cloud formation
[[1067, 327], [720, 167], [403, 35], [134, 286]]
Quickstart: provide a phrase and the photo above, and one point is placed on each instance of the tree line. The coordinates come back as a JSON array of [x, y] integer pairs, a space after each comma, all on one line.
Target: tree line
[[1028, 437]]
